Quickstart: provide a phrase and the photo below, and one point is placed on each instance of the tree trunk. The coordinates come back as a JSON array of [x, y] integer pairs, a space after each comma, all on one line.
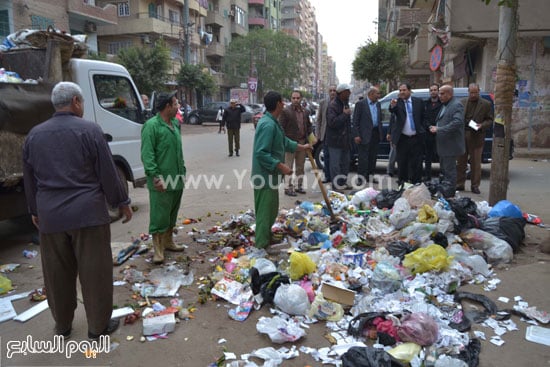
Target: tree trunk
[[504, 94]]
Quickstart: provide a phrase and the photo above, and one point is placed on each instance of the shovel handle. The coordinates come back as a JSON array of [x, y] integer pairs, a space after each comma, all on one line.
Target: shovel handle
[[321, 186]]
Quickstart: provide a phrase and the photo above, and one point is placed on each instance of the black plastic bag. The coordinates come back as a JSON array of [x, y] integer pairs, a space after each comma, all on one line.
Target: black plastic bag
[[440, 239], [511, 230], [400, 249], [465, 210], [366, 357], [470, 354], [267, 284], [439, 188], [386, 198]]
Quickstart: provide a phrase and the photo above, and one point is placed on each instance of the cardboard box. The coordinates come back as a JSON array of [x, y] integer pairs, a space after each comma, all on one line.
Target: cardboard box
[[159, 324], [338, 294]]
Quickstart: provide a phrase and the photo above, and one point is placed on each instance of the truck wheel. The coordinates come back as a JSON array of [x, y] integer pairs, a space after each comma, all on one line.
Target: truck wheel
[[113, 212], [319, 158], [194, 120]]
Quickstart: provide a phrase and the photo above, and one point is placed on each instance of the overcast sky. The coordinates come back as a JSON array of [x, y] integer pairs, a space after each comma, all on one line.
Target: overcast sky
[[345, 26]]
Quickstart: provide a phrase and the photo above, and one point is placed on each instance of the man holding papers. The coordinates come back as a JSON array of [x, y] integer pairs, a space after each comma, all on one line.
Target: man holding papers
[[478, 116]]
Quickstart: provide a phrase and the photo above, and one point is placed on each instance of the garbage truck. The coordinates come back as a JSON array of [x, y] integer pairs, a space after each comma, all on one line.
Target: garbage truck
[[111, 100]]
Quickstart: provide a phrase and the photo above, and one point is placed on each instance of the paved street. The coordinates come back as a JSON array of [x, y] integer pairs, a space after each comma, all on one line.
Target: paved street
[[217, 188]]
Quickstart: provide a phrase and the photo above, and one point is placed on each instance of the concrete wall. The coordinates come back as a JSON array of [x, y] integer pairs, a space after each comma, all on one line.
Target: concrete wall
[[54, 10]]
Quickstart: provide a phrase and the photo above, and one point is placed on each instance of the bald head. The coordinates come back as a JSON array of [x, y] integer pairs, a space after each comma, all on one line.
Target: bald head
[[446, 93], [373, 94]]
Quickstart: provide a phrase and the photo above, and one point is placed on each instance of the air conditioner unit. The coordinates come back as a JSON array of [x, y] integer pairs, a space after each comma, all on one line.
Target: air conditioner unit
[[90, 27]]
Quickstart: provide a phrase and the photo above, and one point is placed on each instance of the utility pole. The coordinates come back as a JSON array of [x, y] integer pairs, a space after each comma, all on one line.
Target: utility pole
[[504, 95], [187, 51]]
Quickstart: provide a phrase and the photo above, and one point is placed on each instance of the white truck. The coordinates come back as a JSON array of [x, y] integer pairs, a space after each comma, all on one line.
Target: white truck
[[111, 100]]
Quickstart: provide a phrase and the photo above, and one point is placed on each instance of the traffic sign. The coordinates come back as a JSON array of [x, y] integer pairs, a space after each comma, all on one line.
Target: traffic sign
[[435, 58]]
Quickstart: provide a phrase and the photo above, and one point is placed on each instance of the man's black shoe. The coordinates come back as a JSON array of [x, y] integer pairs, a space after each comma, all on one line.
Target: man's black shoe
[[237, 153], [65, 334], [460, 188], [111, 328], [230, 155], [475, 190]]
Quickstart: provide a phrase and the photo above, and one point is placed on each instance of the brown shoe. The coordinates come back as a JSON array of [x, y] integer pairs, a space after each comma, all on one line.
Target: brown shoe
[[475, 190], [300, 190], [290, 192], [168, 242], [158, 248]]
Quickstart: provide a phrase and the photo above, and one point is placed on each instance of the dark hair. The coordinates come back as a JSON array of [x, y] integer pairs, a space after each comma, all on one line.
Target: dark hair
[[407, 85], [436, 84], [271, 99], [163, 99], [296, 91]]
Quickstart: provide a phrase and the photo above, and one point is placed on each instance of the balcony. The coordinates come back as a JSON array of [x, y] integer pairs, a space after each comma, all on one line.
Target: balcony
[[257, 21], [142, 23], [201, 9], [419, 54], [238, 29], [214, 18], [409, 20], [83, 11], [256, 2], [215, 49]]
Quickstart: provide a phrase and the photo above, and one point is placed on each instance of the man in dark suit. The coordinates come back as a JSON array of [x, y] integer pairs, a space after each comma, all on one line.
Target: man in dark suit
[[321, 128], [480, 111], [431, 111], [407, 134], [367, 132], [449, 133]]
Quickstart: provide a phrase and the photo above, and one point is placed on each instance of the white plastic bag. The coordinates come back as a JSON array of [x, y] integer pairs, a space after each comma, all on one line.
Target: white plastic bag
[[292, 299], [401, 213], [362, 199], [280, 330], [497, 250]]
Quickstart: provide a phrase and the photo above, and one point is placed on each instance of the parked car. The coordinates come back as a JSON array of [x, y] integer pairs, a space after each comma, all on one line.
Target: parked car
[[384, 147], [208, 113]]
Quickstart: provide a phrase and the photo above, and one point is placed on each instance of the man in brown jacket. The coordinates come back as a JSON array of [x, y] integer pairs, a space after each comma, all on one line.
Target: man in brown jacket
[[478, 117], [294, 120]]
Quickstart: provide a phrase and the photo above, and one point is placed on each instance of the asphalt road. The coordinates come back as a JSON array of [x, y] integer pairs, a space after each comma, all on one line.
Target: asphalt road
[[217, 188]]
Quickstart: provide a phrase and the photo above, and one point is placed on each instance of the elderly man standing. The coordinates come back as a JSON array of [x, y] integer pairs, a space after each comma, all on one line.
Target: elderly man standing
[[449, 133], [270, 145], [70, 177], [321, 129], [162, 157], [478, 117], [294, 120], [367, 132]]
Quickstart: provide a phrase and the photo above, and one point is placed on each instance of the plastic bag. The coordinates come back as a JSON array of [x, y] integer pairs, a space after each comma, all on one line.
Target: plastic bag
[[505, 208], [465, 210], [386, 277], [5, 285], [295, 223], [362, 199], [405, 352], [427, 214], [323, 309], [399, 249], [264, 266], [511, 230], [366, 357], [418, 328], [497, 250], [386, 198], [433, 257], [279, 330], [300, 265], [418, 196], [473, 261], [292, 299], [401, 214]]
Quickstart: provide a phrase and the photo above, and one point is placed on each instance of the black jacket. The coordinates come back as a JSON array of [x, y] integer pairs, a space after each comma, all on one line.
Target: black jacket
[[338, 132], [232, 116]]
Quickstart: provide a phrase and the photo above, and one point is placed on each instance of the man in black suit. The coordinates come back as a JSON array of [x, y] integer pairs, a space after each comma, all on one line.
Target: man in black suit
[[367, 132], [407, 134]]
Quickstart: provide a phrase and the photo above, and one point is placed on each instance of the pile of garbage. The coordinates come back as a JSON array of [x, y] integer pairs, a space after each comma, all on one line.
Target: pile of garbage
[[385, 277]]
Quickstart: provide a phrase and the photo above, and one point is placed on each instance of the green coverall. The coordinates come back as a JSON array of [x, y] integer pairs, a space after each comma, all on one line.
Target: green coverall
[[162, 156], [270, 144]]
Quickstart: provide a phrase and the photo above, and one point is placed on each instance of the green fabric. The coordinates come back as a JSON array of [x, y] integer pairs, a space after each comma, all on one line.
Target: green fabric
[[266, 206], [164, 210], [270, 144], [162, 154]]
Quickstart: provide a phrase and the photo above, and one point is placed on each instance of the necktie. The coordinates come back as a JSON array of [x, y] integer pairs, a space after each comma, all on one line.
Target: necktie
[[410, 113], [373, 113]]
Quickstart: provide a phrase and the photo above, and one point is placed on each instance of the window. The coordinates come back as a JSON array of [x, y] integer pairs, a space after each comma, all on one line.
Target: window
[[124, 9], [174, 17], [116, 95], [4, 23], [115, 47], [152, 11], [41, 23]]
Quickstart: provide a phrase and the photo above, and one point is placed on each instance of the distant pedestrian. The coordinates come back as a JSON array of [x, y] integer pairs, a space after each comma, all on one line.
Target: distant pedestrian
[[449, 133], [162, 157], [69, 177], [294, 120], [232, 120], [268, 167], [338, 137], [321, 128], [219, 119]]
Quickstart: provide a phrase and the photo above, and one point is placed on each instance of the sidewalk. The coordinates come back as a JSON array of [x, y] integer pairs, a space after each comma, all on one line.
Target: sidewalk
[[533, 153]]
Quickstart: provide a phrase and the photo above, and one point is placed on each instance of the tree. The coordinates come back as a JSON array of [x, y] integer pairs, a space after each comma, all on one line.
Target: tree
[[380, 61], [274, 58], [194, 78], [504, 94], [148, 66]]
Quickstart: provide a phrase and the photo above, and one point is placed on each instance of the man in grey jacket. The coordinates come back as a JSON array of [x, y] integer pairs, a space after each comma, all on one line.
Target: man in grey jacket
[[321, 128], [449, 133]]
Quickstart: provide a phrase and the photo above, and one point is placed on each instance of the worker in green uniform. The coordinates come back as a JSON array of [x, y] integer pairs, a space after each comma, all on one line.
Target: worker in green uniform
[[270, 145], [162, 157]]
